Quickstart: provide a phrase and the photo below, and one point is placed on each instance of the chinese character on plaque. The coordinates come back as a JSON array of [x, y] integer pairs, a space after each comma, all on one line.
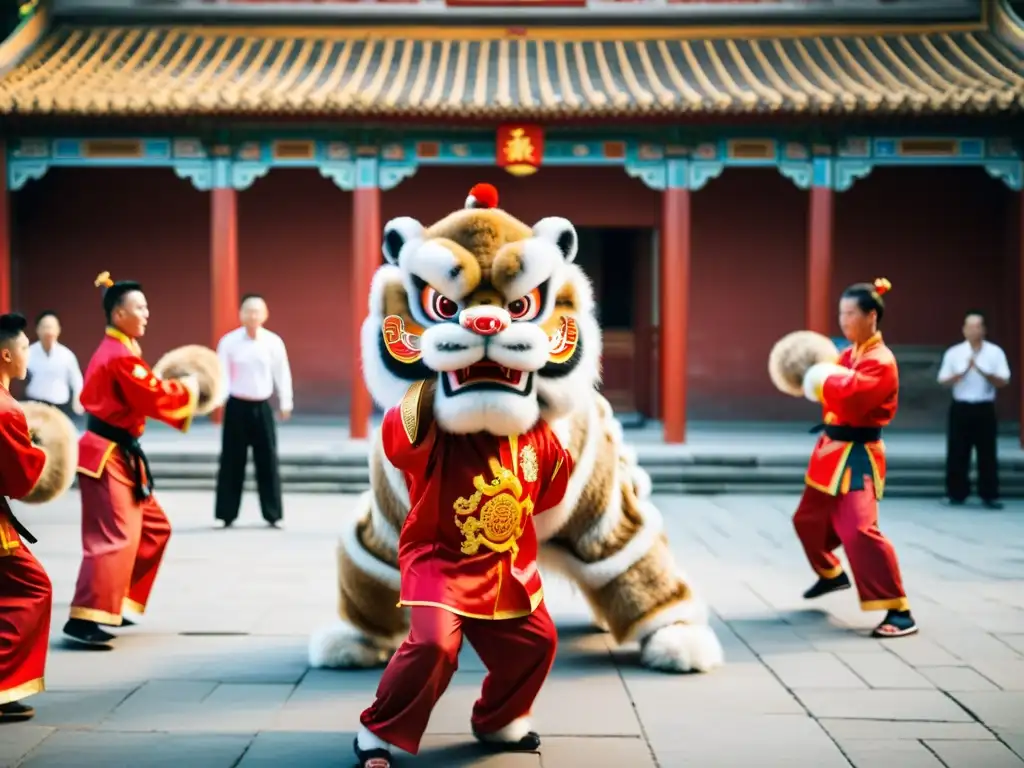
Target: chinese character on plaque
[[520, 148]]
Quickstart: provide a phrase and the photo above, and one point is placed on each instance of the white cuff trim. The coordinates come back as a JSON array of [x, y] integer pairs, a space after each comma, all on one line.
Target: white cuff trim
[[815, 378]]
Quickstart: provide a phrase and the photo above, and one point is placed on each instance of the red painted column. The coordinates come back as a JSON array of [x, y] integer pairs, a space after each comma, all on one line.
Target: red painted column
[[819, 260], [5, 234], [223, 261], [674, 309], [366, 258]]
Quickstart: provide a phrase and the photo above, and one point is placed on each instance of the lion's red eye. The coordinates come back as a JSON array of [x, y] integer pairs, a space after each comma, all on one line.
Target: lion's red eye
[[445, 307], [526, 308], [437, 306]]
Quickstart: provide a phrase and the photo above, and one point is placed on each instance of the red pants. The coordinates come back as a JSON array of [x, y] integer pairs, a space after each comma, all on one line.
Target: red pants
[[25, 600], [824, 522], [123, 542], [518, 654]]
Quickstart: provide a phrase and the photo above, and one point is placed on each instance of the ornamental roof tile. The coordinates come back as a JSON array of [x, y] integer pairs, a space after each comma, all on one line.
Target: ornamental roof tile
[[458, 72]]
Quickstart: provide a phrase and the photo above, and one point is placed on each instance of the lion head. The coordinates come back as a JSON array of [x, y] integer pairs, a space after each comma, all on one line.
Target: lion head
[[491, 309]]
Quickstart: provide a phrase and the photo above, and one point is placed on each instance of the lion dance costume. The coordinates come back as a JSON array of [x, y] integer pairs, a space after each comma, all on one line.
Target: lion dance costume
[[481, 334]]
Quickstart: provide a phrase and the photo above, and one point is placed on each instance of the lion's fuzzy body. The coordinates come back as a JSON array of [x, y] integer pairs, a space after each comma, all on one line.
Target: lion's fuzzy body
[[606, 535]]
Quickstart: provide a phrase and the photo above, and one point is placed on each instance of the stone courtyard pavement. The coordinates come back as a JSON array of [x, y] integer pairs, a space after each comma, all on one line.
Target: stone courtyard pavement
[[216, 674]]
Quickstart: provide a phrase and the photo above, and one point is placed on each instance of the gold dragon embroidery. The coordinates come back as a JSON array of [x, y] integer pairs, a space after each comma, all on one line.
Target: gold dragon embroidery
[[502, 518]]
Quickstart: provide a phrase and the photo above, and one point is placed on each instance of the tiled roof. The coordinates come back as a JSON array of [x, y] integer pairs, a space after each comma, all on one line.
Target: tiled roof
[[345, 72]]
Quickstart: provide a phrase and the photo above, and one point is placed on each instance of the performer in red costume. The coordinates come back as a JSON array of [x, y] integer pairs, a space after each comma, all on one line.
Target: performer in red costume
[[468, 567], [25, 591], [124, 530], [846, 476]]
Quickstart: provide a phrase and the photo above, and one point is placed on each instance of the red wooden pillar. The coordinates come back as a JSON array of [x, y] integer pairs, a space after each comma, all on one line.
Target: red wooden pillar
[[674, 303], [366, 258], [5, 233], [223, 261], [819, 260]]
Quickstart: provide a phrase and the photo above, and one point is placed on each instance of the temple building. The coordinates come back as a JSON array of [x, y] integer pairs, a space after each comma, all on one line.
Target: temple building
[[730, 165]]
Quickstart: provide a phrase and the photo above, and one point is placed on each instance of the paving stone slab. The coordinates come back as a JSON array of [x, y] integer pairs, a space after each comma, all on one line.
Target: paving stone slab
[[884, 705], [884, 670], [998, 709], [77, 709], [737, 689], [772, 741], [1013, 738], [812, 670], [85, 749], [199, 706], [889, 753], [972, 754], [613, 752], [920, 651], [957, 679], [16, 741], [843, 730]]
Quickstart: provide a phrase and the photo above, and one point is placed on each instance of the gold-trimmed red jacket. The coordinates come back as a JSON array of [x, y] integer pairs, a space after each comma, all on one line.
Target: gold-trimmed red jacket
[[865, 396], [469, 545], [121, 390]]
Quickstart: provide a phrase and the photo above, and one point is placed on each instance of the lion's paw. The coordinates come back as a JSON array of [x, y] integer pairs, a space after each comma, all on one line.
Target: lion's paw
[[682, 648], [341, 646]]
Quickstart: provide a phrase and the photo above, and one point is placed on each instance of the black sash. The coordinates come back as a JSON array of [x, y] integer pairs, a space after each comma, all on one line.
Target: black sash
[[845, 434], [23, 532], [132, 450]]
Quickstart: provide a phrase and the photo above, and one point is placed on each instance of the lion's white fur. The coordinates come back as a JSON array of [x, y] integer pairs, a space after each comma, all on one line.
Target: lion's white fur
[[671, 627]]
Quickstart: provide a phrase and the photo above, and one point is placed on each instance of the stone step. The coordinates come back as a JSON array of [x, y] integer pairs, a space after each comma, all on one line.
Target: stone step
[[347, 477]]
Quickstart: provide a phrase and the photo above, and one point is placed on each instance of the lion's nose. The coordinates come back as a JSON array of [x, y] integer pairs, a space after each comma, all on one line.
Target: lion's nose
[[485, 321]]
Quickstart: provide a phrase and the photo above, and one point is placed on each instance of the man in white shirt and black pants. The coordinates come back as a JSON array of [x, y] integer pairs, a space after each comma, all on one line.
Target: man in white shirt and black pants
[[256, 363], [54, 376], [975, 369]]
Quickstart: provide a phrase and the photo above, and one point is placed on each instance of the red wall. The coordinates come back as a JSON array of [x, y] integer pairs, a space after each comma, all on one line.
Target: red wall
[[947, 239], [140, 224], [294, 232], [749, 231]]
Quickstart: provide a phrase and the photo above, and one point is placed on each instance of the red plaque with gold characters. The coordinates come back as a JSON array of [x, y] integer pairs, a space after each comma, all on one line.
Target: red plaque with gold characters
[[520, 148]]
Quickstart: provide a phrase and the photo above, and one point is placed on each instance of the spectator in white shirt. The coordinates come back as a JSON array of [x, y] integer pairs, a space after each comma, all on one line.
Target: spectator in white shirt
[[974, 369], [255, 362], [54, 375]]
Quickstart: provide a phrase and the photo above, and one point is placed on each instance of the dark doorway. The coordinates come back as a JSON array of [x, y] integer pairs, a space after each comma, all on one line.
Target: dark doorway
[[618, 262]]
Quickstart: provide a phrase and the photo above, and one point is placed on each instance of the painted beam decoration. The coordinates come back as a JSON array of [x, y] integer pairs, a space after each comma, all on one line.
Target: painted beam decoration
[[520, 149]]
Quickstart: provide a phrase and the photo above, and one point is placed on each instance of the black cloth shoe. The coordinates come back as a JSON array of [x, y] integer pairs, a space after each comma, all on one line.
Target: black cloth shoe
[[529, 743], [372, 758], [15, 712], [82, 632], [896, 624], [992, 504], [824, 586], [126, 622]]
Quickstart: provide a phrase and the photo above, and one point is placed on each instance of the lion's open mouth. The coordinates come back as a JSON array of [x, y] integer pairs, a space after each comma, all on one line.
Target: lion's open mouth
[[487, 374]]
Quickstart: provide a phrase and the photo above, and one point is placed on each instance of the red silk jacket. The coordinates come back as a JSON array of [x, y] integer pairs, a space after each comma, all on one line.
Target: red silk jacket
[[468, 544], [866, 396], [121, 390], [21, 466]]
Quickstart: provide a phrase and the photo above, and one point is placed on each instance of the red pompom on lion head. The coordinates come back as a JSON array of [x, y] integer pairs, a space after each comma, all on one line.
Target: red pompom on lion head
[[482, 196]]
